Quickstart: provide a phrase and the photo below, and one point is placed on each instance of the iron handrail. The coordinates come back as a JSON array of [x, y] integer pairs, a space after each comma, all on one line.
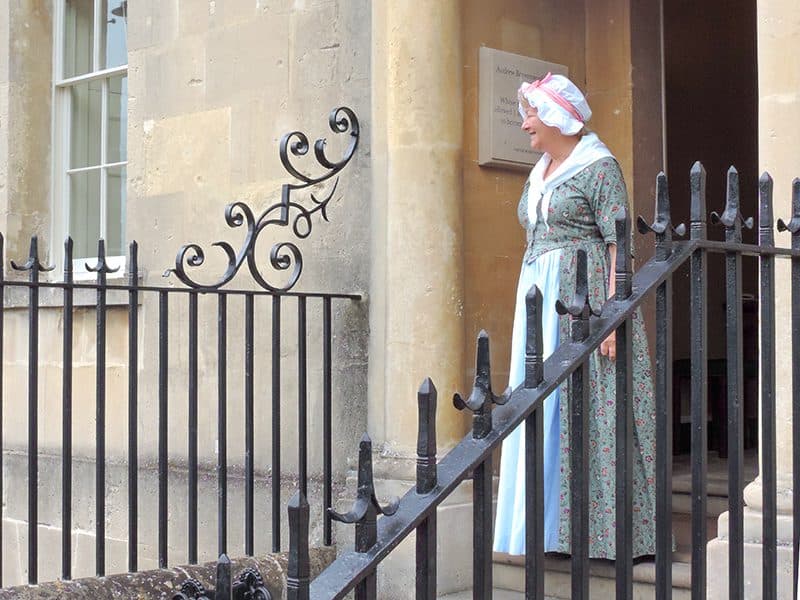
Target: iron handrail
[[351, 567]]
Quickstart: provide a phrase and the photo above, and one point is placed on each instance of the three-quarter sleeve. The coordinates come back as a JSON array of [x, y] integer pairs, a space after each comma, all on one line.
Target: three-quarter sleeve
[[609, 194]]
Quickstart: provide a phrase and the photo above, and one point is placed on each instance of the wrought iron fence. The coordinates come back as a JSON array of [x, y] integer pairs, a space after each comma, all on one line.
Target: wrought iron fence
[[471, 459], [260, 305]]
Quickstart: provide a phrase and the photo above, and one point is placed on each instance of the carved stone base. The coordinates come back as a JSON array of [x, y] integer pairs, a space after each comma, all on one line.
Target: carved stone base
[[717, 566]]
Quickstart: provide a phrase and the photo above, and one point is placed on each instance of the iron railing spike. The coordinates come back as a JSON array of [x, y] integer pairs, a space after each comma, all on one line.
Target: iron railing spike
[[623, 266], [365, 496], [731, 218], [224, 586], [793, 225], [534, 353], [32, 263], [580, 307], [796, 196], [663, 216], [298, 568], [697, 185], [133, 262], [426, 437], [482, 397], [68, 250], [101, 267], [662, 225], [766, 236]]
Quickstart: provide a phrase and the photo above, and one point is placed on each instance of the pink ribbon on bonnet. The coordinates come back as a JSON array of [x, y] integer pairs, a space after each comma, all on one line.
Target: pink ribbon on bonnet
[[562, 102]]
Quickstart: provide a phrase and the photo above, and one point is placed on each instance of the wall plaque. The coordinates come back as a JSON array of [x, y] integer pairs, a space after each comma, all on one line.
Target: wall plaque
[[501, 142]]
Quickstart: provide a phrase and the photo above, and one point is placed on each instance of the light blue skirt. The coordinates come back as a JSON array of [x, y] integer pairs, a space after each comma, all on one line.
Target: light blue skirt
[[509, 531]]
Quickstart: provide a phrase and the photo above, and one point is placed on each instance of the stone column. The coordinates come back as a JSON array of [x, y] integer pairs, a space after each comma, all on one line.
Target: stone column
[[25, 131], [779, 132], [416, 289]]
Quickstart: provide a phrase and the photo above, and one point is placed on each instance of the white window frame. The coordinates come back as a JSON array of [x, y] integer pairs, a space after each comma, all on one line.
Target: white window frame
[[61, 139]]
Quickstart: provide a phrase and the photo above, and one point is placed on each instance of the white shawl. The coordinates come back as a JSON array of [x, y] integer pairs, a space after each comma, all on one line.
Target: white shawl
[[589, 150]]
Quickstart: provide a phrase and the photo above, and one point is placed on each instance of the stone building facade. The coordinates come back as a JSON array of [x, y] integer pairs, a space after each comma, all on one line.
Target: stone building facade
[[428, 236]]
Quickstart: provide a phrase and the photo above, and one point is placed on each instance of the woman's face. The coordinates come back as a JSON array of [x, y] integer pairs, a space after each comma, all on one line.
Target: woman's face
[[542, 135]]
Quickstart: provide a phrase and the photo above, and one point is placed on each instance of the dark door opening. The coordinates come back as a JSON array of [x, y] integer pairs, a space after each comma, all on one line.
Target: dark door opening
[[711, 110]]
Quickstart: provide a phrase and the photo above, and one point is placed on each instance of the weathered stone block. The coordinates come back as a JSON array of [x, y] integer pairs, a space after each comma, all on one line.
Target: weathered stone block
[[152, 22], [162, 584], [247, 59]]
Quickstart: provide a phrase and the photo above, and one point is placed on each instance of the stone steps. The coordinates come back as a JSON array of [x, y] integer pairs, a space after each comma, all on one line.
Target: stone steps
[[682, 517], [509, 574]]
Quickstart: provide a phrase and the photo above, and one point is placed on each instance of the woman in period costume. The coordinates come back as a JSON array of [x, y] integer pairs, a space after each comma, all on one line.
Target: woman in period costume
[[570, 202]]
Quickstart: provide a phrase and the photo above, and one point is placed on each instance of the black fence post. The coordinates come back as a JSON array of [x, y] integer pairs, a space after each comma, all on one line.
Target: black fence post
[[480, 403], [793, 227], [276, 422], [102, 269], [66, 417], [732, 219], [663, 229], [297, 578], [579, 402], [33, 267], [192, 441], [364, 514], [222, 423], [133, 406], [534, 450], [224, 590], [699, 384], [163, 428], [766, 239], [249, 425], [624, 414], [426, 482]]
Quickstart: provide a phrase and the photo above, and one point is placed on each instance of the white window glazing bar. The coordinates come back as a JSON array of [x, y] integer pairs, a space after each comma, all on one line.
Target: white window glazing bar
[[95, 167], [57, 228], [98, 31], [103, 150], [121, 70]]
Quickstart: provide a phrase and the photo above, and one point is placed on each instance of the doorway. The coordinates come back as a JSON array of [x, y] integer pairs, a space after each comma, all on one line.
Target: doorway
[[711, 115]]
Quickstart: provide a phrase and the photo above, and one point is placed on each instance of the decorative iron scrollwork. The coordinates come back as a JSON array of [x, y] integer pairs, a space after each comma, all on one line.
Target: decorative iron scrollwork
[[191, 589], [285, 255], [249, 585]]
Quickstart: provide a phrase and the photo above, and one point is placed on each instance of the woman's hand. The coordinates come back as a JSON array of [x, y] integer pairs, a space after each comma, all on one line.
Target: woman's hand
[[609, 346]]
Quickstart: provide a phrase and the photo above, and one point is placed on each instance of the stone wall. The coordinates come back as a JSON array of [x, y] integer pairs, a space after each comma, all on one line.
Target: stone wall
[[494, 242], [213, 86]]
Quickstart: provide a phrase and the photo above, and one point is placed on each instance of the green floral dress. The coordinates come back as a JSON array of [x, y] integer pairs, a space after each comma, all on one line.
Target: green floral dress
[[581, 215]]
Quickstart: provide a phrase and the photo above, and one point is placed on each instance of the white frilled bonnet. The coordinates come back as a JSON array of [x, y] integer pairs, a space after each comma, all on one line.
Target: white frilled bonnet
[[558, 101]]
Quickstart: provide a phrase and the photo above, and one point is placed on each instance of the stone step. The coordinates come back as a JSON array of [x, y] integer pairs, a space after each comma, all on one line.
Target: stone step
[[509, 574], [496, 595], [682, 517]]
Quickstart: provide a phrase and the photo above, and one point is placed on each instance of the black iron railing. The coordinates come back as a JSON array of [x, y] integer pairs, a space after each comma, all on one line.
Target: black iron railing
[[260, 304], [416, 512]]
